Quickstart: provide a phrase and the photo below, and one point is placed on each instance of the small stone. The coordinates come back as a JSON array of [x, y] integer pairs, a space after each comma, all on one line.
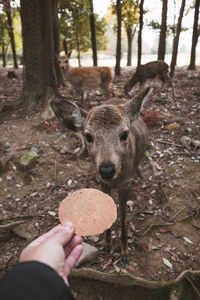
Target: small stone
[[64, 149], [52, 213], [6, 145], [69, 182], [63, 136], [93, 238], [34, 149], [28, 160]]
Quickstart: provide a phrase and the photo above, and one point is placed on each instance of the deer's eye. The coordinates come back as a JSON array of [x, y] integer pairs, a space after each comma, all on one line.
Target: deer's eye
[[89, 138], [124, 136]]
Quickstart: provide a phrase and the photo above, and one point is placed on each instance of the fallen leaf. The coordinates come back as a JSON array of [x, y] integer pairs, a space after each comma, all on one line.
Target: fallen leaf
[[165, 229], [167, 263], [187, 240], [173, 126]]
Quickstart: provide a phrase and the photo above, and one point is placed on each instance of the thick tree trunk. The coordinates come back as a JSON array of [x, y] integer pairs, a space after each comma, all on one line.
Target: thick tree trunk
[[130, 35], [56, 41], [78, 49], [162, 40], [176, 40], [118, 49], [93, 34], [140, 33], [10, 32], [194, 37], [39, 47]]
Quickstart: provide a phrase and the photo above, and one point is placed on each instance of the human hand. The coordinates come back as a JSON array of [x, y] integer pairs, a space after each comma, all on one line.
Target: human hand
[[58, 248]]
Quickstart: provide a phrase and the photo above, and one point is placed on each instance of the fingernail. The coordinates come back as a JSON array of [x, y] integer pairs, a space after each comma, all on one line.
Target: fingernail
[[69, 225]]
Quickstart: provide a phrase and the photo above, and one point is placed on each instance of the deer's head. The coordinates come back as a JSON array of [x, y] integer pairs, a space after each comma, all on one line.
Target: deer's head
[[108, 134]]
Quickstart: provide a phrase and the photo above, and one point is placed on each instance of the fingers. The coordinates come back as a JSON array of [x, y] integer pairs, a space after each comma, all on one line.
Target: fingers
[[51, 233], [72, 259], [45, 236], [64, 234], [76, 240]]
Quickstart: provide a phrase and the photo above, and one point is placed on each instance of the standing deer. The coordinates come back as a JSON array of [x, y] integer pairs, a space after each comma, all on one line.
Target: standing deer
[[86, 78], [151, 70], [116, 138]]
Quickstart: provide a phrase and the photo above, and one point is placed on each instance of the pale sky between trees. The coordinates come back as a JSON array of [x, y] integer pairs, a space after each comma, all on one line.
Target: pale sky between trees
[[154, 13]]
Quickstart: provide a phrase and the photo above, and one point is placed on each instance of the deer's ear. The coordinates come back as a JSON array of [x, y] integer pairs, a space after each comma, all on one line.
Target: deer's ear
[[134, 105], [68, 113], [56, 56]]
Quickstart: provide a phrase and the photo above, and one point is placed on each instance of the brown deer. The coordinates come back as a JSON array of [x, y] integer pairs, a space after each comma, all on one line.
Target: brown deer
[[86, 78], [157, 69], [116, 138]]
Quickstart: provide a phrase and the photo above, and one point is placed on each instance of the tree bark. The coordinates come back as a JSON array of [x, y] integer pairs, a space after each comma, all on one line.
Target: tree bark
[[162, 40], [93, 33], [39, 47], [78, 49], [130, 35], [10, 32], [194, 37], [140, 33], [118, 49], [176, 40]]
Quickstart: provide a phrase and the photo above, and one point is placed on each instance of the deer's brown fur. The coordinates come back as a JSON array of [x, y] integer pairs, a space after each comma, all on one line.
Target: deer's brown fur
[[86, 78], [152, 70], [116, 138]]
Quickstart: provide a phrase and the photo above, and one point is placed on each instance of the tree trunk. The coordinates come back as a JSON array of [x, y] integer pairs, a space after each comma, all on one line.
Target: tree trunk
[[162, 40], [78, 49], [38, 31], [65, 46], [176, 40], [140, 33], [194, 37], [118, 49], [130, 35], [10, 32], [56, 41], [93, 34]]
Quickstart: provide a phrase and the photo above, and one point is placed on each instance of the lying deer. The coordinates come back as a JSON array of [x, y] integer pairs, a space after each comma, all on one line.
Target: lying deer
[[157, 69], [86, 78], [116, 138]]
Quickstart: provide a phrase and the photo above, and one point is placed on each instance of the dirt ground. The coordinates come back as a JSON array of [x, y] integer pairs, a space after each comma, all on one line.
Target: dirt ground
[[163, 212]]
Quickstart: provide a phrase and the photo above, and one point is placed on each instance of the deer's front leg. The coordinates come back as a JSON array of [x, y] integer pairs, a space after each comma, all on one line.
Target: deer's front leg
[[123, 196], [108, 238]]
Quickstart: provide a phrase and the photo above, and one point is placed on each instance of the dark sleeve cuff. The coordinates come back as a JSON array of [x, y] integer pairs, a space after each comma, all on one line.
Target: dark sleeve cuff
[[33, 280]]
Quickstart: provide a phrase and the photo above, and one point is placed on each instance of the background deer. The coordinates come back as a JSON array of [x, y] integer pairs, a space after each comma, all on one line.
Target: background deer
[[116, 138], [86, 78], [157, 69]]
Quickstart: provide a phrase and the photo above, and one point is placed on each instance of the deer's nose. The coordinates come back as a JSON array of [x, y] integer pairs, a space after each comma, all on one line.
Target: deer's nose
[[107, 170]]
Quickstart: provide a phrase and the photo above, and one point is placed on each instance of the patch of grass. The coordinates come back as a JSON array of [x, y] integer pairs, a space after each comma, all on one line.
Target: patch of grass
[[171, 171], [187, 220]]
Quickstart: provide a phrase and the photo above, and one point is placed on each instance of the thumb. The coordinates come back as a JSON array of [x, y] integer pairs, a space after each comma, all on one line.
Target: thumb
[[64, 234]]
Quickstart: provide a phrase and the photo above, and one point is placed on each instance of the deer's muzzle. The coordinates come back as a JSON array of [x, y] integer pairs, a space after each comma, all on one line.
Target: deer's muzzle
[[107, 170]]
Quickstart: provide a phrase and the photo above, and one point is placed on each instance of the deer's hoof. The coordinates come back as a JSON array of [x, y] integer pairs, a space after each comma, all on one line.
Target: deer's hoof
[[125, 261]]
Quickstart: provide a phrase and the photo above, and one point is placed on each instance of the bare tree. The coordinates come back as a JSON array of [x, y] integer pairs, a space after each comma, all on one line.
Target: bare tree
[[93, 33], [176, 39], [10, 30], [40, 43], [118, 50], [162, 40], [140, 33], [195, 36]]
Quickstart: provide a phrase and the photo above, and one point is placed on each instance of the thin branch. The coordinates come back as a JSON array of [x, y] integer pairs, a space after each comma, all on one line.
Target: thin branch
[[178, 213]]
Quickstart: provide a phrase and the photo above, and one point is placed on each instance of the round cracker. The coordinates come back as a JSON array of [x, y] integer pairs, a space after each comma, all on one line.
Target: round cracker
[[90, 211]]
